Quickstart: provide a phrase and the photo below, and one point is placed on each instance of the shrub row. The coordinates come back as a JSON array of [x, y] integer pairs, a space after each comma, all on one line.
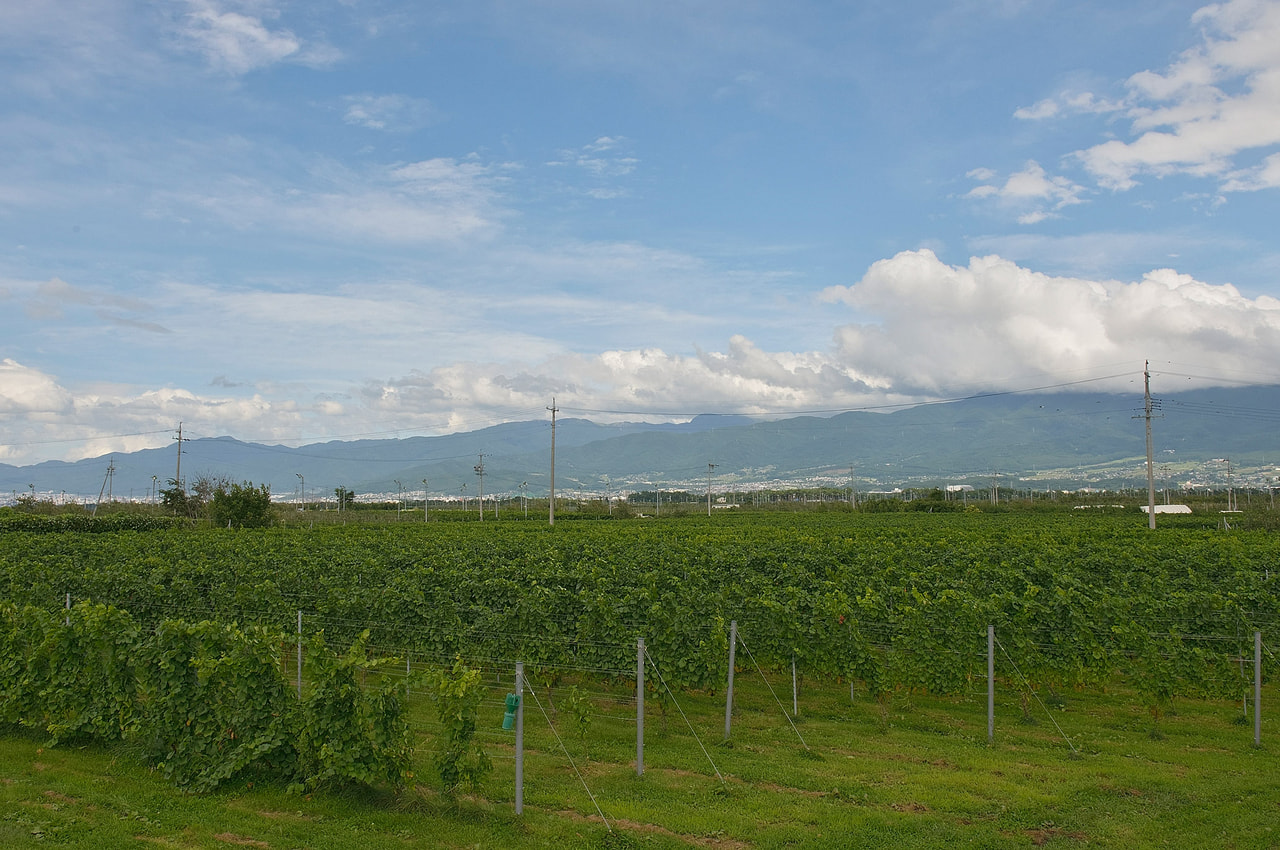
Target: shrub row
[[208, 702]]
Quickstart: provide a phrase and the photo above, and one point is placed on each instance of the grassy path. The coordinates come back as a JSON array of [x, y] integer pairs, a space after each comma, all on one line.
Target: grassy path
[[916, 772]]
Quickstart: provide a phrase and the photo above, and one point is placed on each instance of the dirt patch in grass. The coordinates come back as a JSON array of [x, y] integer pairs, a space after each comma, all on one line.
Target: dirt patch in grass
[[911, 807], [286, 816], [675, 771], [1041, 837]]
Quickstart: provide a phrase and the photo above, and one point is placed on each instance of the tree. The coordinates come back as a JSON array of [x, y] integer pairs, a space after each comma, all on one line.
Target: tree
[[242, 505], [195, 502], [344, 496], [176, 499]]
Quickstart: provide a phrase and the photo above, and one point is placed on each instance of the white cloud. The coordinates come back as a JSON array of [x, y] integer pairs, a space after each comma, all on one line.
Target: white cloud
[[1068, 103], [233, 42], [1264, 176], [602, 161], [1217, 101], [1031, 191], [929, 329], [646, 381], [92, 421], [945, 329], [27, 390]]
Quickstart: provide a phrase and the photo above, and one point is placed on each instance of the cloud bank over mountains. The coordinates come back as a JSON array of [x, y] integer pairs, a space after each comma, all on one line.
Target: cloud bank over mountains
[[912, 329]]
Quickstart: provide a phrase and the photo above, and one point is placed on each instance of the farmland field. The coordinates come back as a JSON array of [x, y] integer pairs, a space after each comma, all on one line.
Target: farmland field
[[1124, 661]]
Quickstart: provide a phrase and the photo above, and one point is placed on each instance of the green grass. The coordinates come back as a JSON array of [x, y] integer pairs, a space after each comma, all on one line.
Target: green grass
[[915, 772]]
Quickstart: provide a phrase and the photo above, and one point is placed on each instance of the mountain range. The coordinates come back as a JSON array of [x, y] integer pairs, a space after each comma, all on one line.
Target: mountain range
[[1040, 441]]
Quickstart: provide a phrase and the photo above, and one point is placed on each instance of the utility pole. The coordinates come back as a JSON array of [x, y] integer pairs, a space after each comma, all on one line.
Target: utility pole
[[552, 502], [302, 492], [710, 466], [1151, 473], [106, 485], [1231, 493], [424, 500], [177, 475], [479, 468]]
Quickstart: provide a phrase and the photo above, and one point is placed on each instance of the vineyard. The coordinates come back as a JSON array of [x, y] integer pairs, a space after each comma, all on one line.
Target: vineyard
[[894, 602], [158, 634]]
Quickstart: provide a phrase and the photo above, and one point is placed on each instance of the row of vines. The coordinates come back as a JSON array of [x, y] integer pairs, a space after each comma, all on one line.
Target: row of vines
[[895, 601], [207, 702]]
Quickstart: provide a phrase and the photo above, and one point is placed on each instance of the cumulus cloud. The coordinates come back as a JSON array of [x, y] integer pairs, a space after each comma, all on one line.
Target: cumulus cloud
[[642, 382], [1216, 103], [1263, 176], [27, 390], [1031, 192], [917, 328], [945, 329], [44, 419]]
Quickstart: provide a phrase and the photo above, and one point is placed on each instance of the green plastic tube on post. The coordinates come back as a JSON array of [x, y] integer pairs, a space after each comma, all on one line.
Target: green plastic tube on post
[[509, 719]]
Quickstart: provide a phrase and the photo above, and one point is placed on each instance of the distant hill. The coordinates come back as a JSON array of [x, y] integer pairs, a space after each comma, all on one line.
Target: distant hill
[[1060, 441]]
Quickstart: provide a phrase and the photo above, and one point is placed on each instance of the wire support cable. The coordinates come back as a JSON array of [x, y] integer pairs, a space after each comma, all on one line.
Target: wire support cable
[[1027, 686], [487, 663], [785, 713], [565, 750], [676, 702]]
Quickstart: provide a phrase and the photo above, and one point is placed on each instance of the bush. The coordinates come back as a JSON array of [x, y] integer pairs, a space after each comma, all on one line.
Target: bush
[[242, 506]]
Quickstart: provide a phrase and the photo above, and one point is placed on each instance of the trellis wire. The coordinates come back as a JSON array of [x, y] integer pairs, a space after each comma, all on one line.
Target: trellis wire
[[771, 691], [565, 750], [682, 714], [1027, 686]]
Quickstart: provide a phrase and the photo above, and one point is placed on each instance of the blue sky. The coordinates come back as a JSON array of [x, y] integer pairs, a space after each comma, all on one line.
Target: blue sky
[[293, 222]]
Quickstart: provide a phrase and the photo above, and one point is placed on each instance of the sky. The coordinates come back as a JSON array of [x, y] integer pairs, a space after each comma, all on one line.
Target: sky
[[292, 222]]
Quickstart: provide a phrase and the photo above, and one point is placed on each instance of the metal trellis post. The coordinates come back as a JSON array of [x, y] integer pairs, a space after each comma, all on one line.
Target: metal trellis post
[[639, 706], [991, 684], [520, 737], [728, 700], [1257, 689], [299, 655]]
